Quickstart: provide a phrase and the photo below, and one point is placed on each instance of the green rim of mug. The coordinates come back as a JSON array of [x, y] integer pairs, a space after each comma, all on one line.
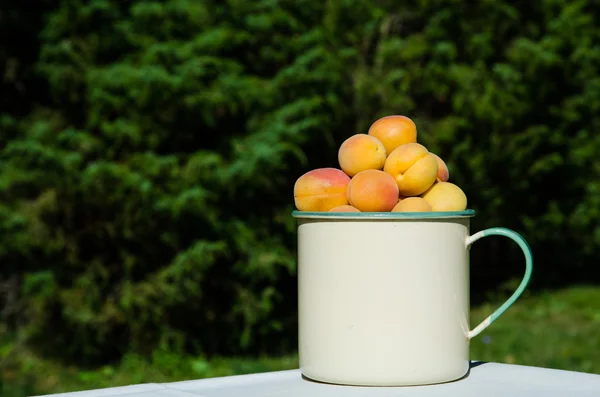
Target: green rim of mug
[[468, 213]]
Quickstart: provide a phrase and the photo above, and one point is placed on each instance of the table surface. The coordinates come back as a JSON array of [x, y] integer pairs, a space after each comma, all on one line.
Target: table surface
[[484, 379]]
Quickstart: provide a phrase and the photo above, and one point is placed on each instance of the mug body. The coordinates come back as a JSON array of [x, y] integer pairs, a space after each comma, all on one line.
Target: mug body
[[383, 301]]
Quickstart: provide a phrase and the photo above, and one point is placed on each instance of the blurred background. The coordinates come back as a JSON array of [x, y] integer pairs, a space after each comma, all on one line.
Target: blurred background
[[148, 152]]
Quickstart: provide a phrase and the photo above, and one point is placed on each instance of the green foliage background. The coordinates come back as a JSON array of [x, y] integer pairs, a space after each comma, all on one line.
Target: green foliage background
[[148, 152]]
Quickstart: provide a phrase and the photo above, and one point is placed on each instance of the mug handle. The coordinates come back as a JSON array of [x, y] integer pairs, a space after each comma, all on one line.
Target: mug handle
[[517, 238]]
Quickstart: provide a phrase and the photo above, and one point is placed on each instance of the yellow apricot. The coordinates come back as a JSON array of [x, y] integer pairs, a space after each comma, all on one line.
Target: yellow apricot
[[344, 208], [412, 204], [445, 196], [413, 168]]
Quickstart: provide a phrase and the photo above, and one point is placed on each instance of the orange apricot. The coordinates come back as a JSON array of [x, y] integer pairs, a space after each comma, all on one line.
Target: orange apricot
[[361, 152], [372, 191], [321, 189], [393, 131], [443, 173]]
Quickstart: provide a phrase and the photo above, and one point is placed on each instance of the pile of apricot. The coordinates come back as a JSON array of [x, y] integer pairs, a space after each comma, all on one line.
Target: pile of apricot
[[384, 170]]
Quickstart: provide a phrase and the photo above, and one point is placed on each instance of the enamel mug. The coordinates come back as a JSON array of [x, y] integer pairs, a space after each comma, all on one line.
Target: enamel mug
[[383, 298]]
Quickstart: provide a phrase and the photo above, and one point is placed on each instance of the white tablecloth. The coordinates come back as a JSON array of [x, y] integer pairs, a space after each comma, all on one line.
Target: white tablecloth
[[484, 379]]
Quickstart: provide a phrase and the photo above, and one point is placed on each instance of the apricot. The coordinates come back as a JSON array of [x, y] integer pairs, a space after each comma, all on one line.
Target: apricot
[[361, 152], [412, 204], [344, 208], [413, 168], [445, 196], [394, 131], [373, 191], [443, 173], [321, 189]]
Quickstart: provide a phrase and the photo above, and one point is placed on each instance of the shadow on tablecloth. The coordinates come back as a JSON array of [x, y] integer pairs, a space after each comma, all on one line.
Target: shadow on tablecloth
[[472, 364]]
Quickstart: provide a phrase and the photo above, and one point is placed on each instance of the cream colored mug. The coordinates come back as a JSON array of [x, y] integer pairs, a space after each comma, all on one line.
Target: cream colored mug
[[383, 298]]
